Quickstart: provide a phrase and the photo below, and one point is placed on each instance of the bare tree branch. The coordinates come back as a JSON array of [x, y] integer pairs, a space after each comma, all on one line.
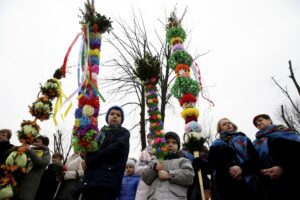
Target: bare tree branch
[[292, 76]]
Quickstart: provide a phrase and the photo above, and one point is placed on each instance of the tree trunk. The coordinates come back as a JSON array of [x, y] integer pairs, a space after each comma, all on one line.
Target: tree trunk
[[143, 120]]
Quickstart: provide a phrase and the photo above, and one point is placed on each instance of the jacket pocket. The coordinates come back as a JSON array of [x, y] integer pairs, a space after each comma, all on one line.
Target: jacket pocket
[[178, 191]]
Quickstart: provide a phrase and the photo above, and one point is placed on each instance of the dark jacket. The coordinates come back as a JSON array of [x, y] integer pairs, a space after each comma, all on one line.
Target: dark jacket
[[200, 163], [49, 182], [230, 150], [5, 148], [27, 187], [279, 146], [105, 167]]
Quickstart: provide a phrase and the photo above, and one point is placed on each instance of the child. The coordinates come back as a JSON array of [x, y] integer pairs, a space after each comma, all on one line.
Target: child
[[235, 165], [72, 183], [105, 167], [145, 158], [169, 179], [51, 178], [129, 182]]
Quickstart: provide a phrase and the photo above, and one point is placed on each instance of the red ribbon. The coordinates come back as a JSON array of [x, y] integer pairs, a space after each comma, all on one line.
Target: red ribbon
[[67, 55]]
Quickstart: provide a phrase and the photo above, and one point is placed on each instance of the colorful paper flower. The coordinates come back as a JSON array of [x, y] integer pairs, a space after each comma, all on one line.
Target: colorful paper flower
[[41, 108]]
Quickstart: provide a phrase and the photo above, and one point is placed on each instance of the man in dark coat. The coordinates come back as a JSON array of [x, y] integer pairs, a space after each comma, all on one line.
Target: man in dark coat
[[105, 167]]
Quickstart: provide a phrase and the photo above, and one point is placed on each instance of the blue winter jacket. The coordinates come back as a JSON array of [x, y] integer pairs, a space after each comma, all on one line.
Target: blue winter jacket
[[129, 187]]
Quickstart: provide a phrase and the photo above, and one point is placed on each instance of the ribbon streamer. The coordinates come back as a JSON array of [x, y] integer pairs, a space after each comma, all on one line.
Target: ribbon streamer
[[67, 55], [197, 72], [58, 103]]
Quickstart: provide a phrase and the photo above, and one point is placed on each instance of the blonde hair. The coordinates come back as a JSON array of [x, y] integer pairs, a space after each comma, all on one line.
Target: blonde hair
[[219, 125]]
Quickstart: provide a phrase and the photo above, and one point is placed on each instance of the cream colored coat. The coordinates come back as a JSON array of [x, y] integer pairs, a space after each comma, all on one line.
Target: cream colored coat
[[74, 163]]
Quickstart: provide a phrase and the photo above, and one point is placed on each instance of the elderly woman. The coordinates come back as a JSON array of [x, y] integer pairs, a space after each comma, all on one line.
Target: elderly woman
[[235, 164]]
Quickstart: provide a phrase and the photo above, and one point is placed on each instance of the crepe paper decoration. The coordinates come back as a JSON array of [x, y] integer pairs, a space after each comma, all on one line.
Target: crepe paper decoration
[[156, 125], [148, 71], [190, 112], [41, 108], [183, 86], [187, 98], [86, 128], [176, 34], [179, 57], [185, 89], [18, 162]]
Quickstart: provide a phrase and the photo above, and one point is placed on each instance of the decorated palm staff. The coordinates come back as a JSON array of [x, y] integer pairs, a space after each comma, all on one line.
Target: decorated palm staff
[[186, 90], [18, 162], [148, 71], [86, 115]]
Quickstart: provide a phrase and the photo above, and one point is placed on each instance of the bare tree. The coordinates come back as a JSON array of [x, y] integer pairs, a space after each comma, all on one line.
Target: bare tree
[[131, 45], [290, 114], [59, 145]]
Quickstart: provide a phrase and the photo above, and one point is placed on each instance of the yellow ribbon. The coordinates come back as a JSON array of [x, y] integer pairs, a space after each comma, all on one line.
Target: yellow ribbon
[[58, 103]]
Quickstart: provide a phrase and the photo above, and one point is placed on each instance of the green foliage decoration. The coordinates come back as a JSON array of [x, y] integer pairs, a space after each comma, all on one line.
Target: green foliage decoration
[[185, 85], [148, 67], [89, 15], [176, 32], [179, 57]]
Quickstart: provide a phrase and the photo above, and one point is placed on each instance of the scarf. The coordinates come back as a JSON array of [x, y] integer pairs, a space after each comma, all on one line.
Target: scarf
[[272, 131], [104, 131], [237, 141]]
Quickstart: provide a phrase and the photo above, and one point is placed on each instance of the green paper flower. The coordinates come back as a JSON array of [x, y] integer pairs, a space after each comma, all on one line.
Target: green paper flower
[[175, 32], [179, 57], [185, 85]]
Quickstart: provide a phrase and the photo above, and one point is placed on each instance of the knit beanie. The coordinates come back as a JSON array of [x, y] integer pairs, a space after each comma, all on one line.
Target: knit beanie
[[173, 135], [115, 108], [130, 163]]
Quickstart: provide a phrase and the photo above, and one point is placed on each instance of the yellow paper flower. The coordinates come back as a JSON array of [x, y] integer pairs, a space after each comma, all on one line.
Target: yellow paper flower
[[94, 52], [190, 112], [77, 122], [176, 39]]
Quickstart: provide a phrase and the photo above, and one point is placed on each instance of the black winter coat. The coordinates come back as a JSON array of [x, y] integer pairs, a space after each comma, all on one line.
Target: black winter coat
[[105, 167]]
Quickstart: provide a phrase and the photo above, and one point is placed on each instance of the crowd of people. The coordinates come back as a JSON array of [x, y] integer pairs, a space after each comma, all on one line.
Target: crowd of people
[[234, 168]]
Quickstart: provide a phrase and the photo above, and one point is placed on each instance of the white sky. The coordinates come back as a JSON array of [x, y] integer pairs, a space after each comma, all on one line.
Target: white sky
[[249, 41]]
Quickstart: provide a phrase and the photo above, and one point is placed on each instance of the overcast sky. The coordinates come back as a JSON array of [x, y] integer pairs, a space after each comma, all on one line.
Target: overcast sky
[[248, 43]]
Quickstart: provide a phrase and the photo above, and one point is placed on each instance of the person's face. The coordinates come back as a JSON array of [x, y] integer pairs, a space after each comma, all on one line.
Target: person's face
[[172, 145], [38, 143], [129, 170], [149, 140], [262, 123], [114, 117], [226, 125], [3, 137], [56, 159]]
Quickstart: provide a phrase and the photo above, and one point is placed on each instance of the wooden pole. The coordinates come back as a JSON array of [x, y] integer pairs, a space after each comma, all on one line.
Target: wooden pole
[[197, 155]]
